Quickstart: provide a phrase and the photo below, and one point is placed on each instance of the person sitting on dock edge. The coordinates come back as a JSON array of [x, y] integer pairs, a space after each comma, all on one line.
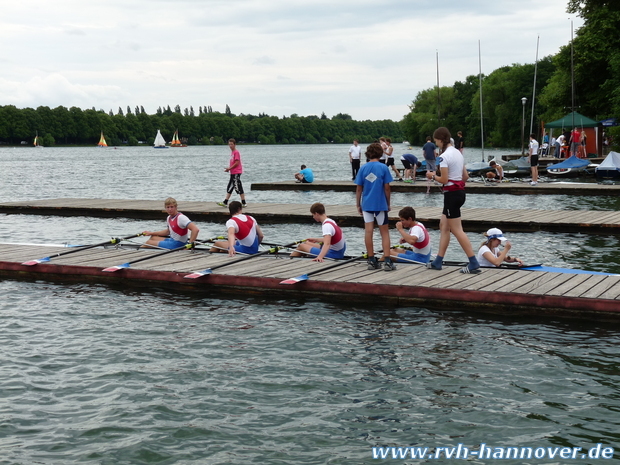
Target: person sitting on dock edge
[[244, 233], [373, 203], [179, 229], [304, 175], [490, 254], [334, 244], [415, 234]]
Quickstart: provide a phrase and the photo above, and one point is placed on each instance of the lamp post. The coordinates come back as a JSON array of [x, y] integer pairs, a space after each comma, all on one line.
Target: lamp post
[[523, 101]]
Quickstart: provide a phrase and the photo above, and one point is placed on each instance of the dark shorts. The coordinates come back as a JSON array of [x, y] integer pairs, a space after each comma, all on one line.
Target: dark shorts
[[452, 203], [234, 184], [533, 160], [406, 164], [305, 180], [390, 161]]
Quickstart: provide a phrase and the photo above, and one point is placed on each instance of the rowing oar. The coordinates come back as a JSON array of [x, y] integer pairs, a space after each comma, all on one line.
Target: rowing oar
[[114, 240], [304, 277], [128, 264], [198, 274]]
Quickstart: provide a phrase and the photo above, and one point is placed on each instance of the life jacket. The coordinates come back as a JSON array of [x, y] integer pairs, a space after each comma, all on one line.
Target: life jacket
[[245, 227], [455, 186], [427, 239], [338, 234], [173, 223]]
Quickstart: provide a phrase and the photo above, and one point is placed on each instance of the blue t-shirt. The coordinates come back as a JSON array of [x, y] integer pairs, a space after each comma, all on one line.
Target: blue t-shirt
[[411, 158], [308, 174], [372, 177], [429, 151]]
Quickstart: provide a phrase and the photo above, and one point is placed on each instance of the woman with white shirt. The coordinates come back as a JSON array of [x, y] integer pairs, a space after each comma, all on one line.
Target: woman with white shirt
[[490, 253]]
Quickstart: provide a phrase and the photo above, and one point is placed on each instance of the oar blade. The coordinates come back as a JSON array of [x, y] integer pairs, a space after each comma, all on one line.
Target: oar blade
[[198, 274], [111, 269], [296, 279], [35, 262]]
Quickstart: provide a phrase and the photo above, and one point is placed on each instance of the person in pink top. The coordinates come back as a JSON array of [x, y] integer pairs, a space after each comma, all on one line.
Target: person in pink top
[[235, 168]]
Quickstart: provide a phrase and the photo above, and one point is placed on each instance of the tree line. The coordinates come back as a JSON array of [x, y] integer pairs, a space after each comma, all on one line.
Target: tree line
[[596, 87], [74, 126]]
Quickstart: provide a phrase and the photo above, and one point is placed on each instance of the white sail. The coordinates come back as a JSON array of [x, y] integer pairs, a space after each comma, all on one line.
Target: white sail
[[159, 140]]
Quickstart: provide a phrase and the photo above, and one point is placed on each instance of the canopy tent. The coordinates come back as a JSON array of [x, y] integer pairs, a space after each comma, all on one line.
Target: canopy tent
[[594, 142]]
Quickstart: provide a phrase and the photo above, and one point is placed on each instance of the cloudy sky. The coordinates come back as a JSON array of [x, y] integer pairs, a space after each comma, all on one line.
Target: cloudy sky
[[367, 58]]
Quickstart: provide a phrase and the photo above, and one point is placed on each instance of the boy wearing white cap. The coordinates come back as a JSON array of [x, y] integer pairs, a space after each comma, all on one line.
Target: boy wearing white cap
[[490, 254]]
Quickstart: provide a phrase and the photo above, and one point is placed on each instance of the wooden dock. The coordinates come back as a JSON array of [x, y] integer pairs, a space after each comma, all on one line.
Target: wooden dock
[[514, 188], [474, 219], [497, 291]]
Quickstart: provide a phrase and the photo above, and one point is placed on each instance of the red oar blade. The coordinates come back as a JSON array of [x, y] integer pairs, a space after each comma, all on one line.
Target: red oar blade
[[116, 268], [198, 274], [296, 279], [35, 262]]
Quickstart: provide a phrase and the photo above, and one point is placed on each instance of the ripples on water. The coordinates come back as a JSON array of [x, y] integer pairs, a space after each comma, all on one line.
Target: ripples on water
[[93, 374], [101, 374]]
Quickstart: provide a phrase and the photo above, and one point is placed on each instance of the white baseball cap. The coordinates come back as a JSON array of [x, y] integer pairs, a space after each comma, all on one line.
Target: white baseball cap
[[495, 233]]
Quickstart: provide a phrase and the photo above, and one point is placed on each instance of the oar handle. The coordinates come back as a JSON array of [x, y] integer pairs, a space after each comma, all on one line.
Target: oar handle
[[247, 257]]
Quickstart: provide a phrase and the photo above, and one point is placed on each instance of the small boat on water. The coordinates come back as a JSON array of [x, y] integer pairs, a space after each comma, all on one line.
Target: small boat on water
[[175, 140], [569, 167], [610, 167], [36, 142], [160, 142], [102, 142], [519, 167]]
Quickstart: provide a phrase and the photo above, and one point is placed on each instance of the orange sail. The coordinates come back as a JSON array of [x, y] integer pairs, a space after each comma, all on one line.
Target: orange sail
[[102, 142]]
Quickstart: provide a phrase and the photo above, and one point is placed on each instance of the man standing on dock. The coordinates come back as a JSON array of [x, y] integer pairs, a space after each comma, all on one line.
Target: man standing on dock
[[373, 203], [355, 153], [533, 158]]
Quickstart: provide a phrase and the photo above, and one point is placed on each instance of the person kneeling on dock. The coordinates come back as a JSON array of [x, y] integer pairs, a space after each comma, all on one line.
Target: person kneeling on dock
[[334, 244], [244, 233], [496, 174], [490, 254], [415, 234], [179, 229]]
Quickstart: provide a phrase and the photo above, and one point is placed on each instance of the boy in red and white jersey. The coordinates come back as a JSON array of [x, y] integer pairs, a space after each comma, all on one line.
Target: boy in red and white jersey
[[244, 233], [179, 229], [334, 244]]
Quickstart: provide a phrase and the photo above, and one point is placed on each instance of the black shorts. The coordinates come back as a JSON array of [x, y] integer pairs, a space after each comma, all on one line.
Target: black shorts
[[390, 161], [534, 160], [452, 203], [406, 164], [234, 184]]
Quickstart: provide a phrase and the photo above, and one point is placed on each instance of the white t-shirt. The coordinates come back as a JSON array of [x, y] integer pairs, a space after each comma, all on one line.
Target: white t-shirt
[[533, 147], [485, 248], [453, 160], [355, 151], [418, 232]]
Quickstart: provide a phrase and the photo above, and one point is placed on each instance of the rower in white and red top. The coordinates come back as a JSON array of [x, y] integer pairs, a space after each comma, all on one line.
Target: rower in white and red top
[[334, 244], [244, 233]]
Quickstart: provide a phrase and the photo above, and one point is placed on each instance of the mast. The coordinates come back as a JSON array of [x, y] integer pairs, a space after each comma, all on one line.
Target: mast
[[572, 76], [534, 90], [480, 82], [438, 99]]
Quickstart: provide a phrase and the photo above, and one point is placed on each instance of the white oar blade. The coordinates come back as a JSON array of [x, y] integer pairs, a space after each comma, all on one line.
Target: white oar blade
[[116, 268], [297, 279], [198, 274], [34, 262]]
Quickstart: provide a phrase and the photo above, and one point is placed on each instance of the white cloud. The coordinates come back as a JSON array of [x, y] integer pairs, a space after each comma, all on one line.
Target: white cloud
[[365, 58]]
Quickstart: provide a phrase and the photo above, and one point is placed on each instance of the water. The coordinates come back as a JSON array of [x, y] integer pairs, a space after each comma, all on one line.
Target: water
[[111, 375]]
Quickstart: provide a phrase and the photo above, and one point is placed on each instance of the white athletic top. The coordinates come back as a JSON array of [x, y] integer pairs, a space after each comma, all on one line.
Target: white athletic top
[[453, 160], [355, 152], [418, 232], [251, 237], [485, 248]]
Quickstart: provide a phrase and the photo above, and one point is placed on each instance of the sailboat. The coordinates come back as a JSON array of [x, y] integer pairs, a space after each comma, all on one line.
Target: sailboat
[[102, 142], [160, 142], [175, 140], [36, 141]]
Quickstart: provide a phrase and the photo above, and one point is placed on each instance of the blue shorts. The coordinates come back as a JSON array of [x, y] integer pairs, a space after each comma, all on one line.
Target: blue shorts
[[410, 257], [331, 254], [170, 243], [250, 250], [381, 217]]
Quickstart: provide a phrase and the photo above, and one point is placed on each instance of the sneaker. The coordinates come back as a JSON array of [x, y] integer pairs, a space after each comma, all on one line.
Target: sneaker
[[243, 204], [388, 265], [533, 183], [466, 270], [373, 264], [222, 204], [400, 179]]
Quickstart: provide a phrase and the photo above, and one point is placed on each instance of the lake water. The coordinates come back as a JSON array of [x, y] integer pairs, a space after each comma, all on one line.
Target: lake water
[[113, 375]]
